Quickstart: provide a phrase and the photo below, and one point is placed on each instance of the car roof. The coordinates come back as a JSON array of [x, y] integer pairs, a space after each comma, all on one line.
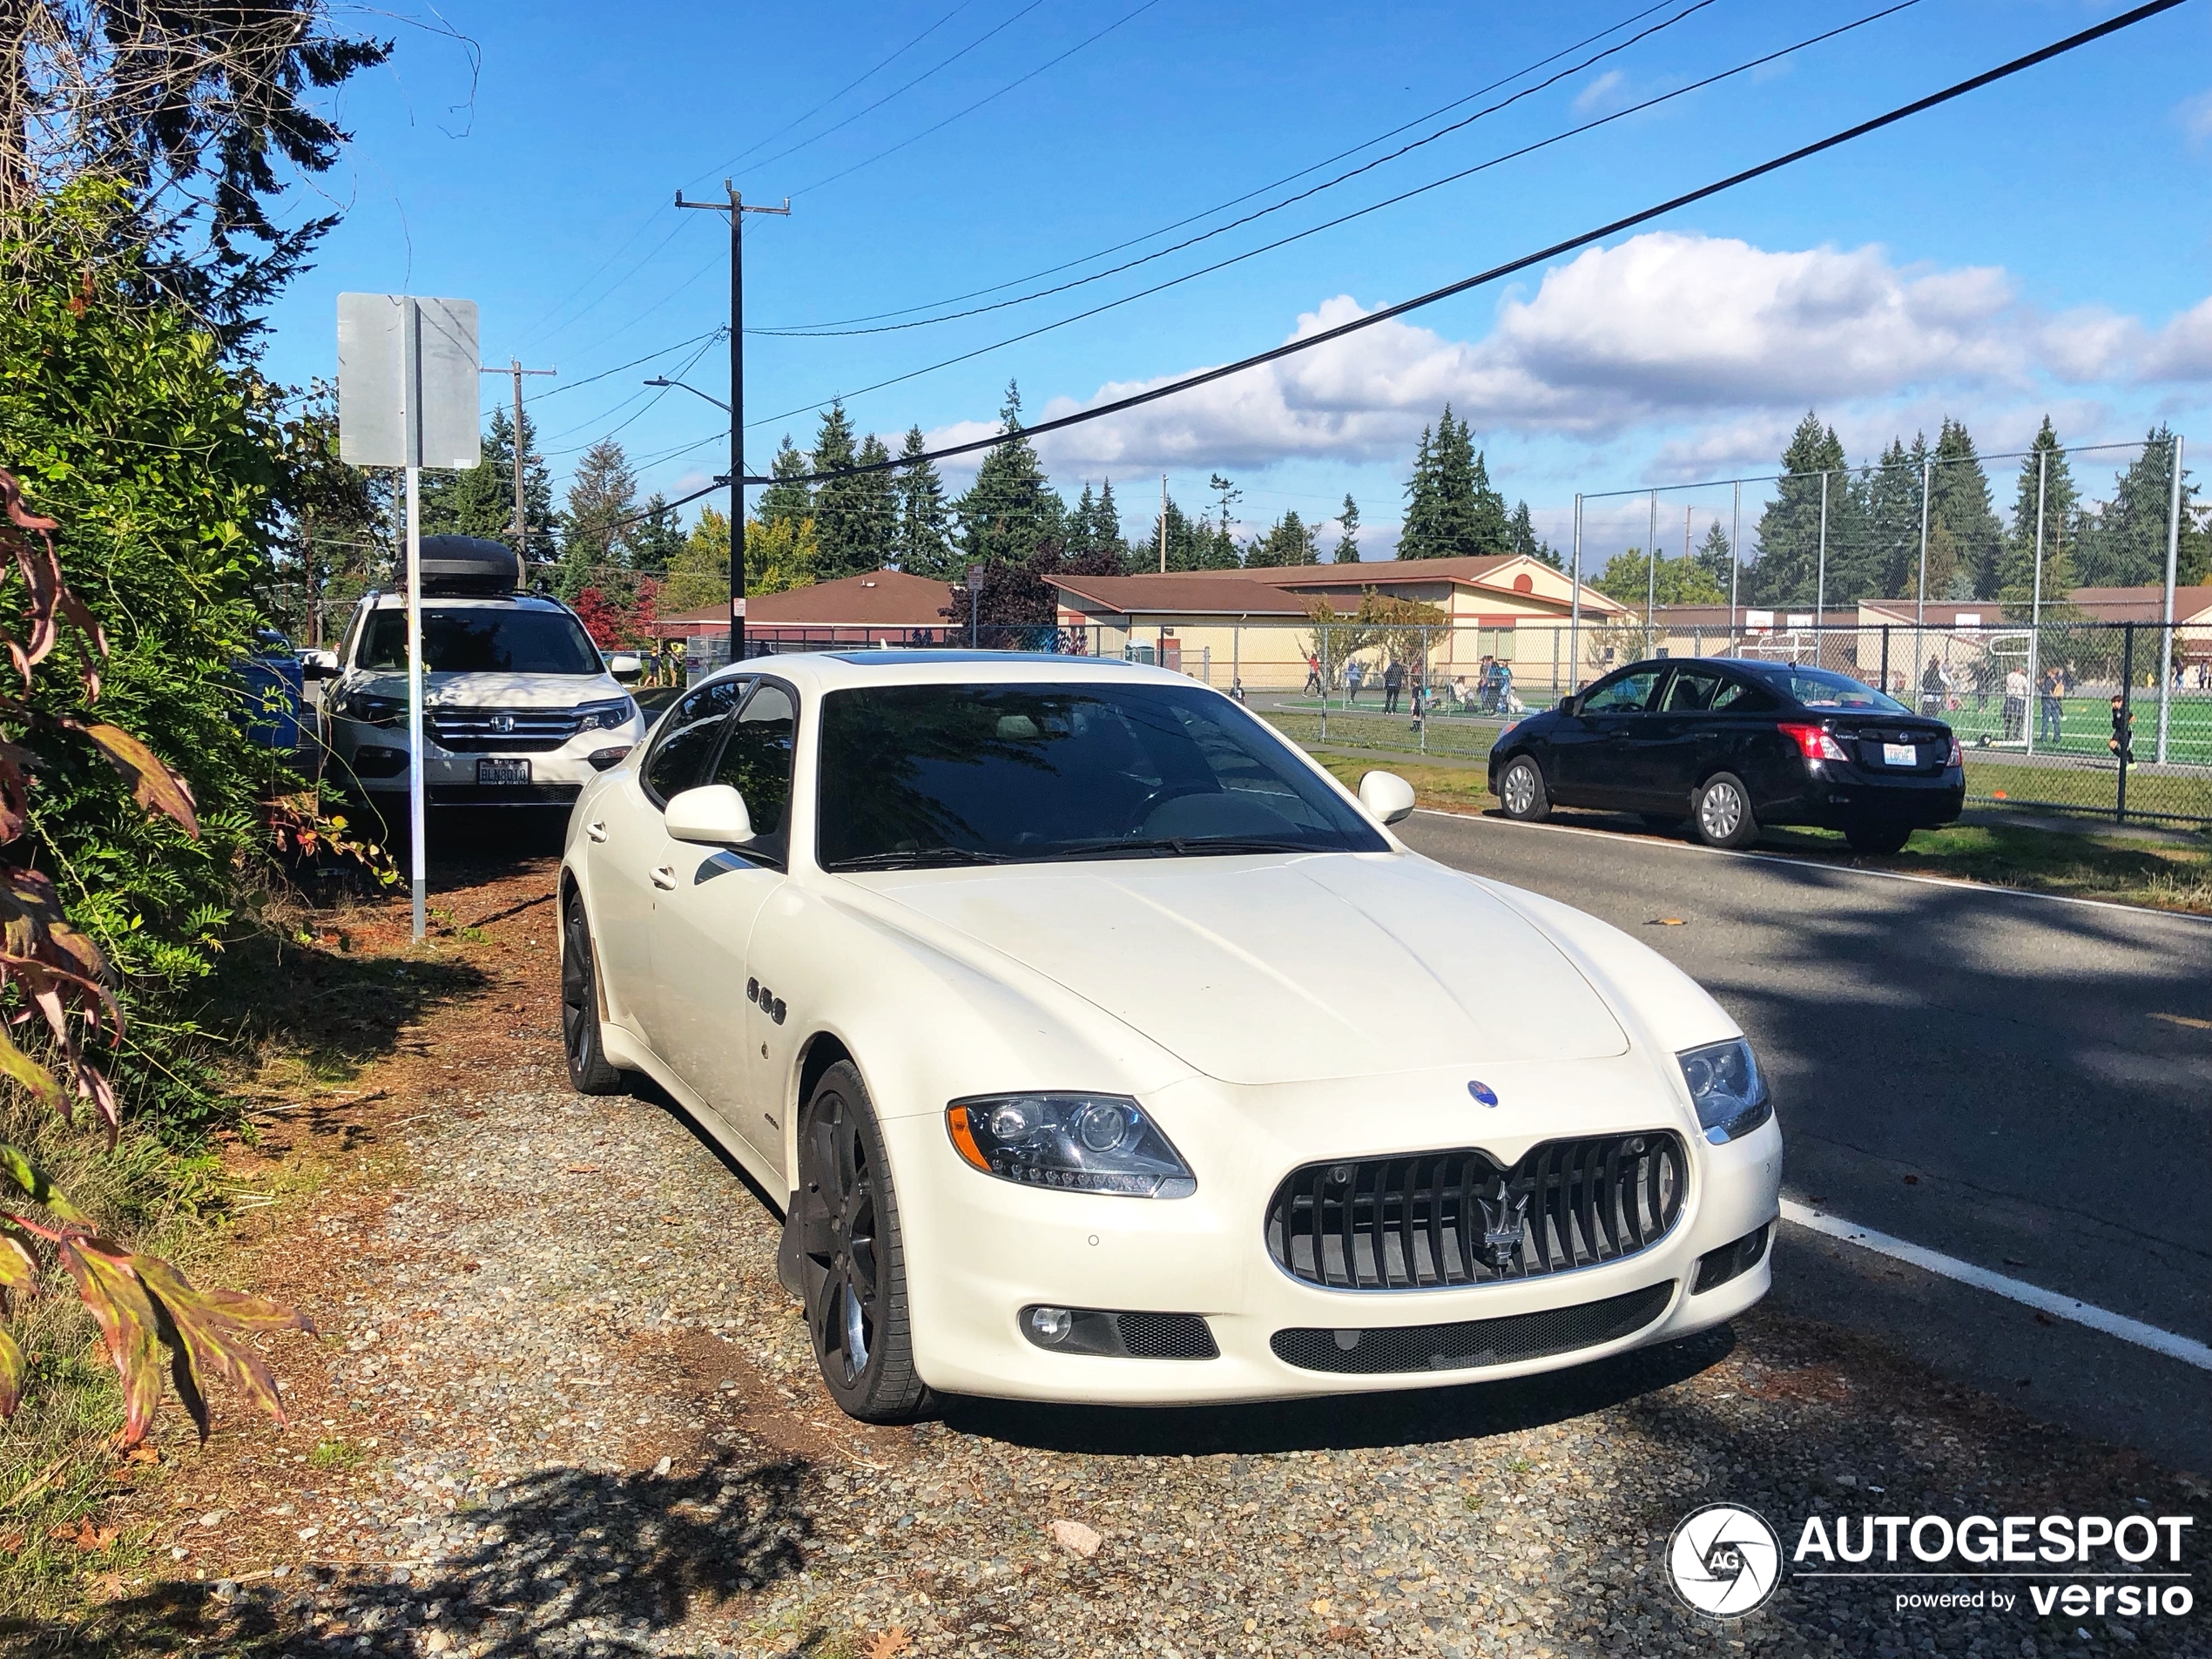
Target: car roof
[[835, 671], [395, 599]]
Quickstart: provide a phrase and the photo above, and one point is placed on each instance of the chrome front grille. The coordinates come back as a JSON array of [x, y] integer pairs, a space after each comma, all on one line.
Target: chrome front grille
[[1434, 1220], [460, 731]]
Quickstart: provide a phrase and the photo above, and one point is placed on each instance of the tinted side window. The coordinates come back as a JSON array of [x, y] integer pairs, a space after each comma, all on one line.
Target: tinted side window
[[686, 742], [756, 762], [1628, 695], [1736, 697], [1694, 691]]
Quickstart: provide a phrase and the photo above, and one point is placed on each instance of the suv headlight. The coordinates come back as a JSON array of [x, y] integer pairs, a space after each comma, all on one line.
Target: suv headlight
[[605, 716], [1076, 1142], [1727, 1089], [369, 708]]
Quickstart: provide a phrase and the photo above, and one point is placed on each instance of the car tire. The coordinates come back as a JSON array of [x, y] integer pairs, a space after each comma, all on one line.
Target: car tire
[[1721, 812], [589, 1070], [851, 1262], [1878, 837], [1521, 792]]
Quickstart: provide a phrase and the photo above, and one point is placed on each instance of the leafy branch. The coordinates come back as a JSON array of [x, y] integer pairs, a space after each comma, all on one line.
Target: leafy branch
[[144, 1305]]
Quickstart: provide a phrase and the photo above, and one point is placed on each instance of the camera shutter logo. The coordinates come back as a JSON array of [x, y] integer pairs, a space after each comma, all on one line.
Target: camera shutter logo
[[1724, 1560]]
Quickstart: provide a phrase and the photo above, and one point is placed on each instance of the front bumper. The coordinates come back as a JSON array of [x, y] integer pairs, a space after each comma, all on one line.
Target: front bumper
[[980, 1251], [558, 776]]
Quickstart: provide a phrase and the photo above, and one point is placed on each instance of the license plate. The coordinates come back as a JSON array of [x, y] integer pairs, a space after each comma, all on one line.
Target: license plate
[[503, 772], [1900, 755]]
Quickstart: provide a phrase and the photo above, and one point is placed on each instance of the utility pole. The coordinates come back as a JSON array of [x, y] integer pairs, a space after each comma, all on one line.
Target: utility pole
[[522, 521], [1163, 523], [737, 209]]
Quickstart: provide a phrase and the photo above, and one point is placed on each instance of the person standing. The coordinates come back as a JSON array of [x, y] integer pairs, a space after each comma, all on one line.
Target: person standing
[[1355, 675], [1313, 673], [1394, 683], [2051, 708], [2015, 703]]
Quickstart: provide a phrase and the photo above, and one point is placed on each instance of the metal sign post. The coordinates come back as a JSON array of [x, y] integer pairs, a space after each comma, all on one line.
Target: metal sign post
[[407, 398]]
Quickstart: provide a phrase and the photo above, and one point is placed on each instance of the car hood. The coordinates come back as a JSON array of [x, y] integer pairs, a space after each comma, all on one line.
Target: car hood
[[480, 691], [1268, 970]]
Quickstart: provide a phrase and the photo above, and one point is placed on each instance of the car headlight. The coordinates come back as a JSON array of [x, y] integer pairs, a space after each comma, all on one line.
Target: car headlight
[[1727, 1089], [369, 708], [605, 716], [1077, 1143]]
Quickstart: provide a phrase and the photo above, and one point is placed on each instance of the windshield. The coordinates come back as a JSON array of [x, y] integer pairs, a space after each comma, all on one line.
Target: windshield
[[483, 640], [916, 775], [1817, 688]]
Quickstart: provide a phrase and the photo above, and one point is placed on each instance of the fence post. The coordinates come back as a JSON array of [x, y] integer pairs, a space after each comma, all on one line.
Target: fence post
[[1328, 674], [2127, 719], [1886, 660], [2166, 640]]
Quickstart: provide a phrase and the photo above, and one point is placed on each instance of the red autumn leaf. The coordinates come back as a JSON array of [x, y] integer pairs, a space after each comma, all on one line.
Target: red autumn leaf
[[153, 785], [128, 1324]]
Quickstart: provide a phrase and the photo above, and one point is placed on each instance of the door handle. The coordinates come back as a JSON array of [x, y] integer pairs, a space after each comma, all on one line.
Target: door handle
[[664, 878], [597, 832]]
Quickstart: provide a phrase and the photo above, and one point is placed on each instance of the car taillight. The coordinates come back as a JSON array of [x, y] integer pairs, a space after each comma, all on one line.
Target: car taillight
[[1958, 755], [1814, 742]]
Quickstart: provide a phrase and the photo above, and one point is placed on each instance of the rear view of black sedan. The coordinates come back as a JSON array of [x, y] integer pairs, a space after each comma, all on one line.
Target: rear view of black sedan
[[1731, 744]]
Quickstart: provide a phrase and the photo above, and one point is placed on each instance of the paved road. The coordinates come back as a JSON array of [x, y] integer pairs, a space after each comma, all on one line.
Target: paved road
[[2023, 1083]]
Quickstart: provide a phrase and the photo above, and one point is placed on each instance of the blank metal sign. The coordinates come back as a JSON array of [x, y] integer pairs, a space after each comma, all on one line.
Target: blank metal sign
[[372, 392]]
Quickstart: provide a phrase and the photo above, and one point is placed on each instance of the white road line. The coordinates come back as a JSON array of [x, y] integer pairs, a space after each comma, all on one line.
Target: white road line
[[2185, 1349], [1818, 864]]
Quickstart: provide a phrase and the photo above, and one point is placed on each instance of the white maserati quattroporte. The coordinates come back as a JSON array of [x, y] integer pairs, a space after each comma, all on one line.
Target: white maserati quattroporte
[[1103, 1047]]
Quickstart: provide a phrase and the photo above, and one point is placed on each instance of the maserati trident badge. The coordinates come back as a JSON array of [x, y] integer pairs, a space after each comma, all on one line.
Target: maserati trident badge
[[1504, 1219]]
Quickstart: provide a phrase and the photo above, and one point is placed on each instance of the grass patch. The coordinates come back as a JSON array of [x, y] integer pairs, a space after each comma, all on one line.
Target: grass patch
[[2164, 874], [335, 1455]]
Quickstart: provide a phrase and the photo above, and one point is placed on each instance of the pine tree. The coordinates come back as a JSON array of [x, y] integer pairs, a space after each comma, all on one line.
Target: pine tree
[[1010, 510], [783, 499], [1522, 538], [656, 541], [2125, 546], [1420, 535], [855, 515], [1288, 541], [1221, 552], [1490, 532], [1348, 533], [1451, 509], [1959, 499], [594, 540], [1106, 526], [2043, 472], [1892, 495], [1787, 568], [923, 543], [1716, 557]]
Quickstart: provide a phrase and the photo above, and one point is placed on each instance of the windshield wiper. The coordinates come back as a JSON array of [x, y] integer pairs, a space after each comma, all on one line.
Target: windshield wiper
[[916, 858], [1182, 846]]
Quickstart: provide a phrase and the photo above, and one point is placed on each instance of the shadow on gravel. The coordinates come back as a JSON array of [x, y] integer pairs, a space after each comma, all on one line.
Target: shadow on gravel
[[1416, 1417], [633, 1555]]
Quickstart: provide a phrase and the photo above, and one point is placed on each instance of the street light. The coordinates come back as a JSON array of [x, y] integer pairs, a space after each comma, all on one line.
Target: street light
[[693, 390]]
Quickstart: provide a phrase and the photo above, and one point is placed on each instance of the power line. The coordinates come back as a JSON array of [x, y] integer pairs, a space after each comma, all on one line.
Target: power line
[[1190, 382], [980, 101], [880, 64], [1237, 201], [1346, 218], [713, 333], [825, 330]]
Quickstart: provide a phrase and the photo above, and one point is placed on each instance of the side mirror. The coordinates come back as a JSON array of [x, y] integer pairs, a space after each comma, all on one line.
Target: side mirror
[[318, 665], [1568, 704], [1389, 797], [625, 666], [712, 816]]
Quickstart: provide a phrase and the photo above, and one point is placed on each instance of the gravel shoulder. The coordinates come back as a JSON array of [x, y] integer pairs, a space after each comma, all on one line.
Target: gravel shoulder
[[560, 1406]]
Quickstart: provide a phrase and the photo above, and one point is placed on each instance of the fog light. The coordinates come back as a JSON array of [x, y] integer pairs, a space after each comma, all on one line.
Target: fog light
[[372, 761], [1051, 1325]]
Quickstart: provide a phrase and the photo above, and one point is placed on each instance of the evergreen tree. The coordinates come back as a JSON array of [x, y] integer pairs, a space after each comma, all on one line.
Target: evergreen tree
[[2043, 472], [1892, 568], [1959, 499], [1095, 532], [783, 499], [656, 541], [1220, 552], [1009, 511], [2125, 546], [1348, 533], [1787, 568], [1490, 530], [923, 543], [481, 501], [1451, 509], [1189, 543], [1421, 534], [594, 540], [1522, 538], [1106, 527], [1289, 541], [1716, 557]]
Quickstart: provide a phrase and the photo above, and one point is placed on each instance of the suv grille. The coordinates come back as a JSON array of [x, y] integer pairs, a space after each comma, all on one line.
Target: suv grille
[[506, 731], [1436, 1219], [1475, 1342]]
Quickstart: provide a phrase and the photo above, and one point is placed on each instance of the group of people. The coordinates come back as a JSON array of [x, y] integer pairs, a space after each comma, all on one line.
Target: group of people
[[1492, 692]]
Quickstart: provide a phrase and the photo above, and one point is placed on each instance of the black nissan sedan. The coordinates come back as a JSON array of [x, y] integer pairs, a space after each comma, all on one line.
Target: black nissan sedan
[[1731, 744]]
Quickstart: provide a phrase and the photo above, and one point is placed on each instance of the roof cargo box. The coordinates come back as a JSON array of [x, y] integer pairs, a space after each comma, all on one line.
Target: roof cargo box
[[469, 564]]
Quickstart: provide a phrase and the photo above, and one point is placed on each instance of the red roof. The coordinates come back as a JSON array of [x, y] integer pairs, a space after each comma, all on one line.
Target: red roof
[[880, 599]]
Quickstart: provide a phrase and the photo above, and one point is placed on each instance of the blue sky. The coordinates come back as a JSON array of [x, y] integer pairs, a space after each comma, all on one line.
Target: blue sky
[[2041, 246]]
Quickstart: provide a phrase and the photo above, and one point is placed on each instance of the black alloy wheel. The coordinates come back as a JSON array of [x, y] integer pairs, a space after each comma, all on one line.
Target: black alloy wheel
[[1722, 813], [1878, 837], [1521, 792], [589, 1072], [852, 1264]]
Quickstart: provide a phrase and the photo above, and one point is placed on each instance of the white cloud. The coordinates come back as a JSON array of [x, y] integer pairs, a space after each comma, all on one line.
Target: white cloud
[[2195, 117], [1608, 92], [1664, 328]]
